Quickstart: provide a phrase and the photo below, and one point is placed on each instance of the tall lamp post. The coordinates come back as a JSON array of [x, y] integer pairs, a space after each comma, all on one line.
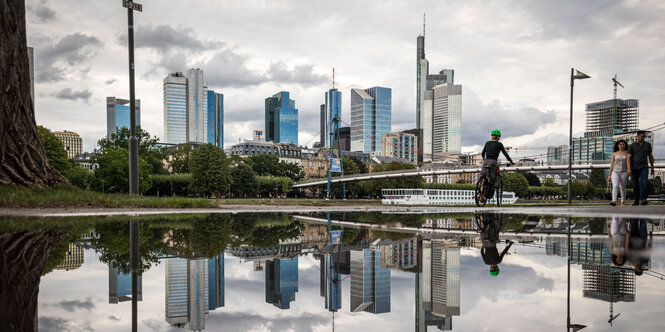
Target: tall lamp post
[[574, 75], [133, 141]]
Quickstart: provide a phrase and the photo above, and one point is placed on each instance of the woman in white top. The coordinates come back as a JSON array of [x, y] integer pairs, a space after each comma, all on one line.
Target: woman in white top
[[619, 171], [618, 233]]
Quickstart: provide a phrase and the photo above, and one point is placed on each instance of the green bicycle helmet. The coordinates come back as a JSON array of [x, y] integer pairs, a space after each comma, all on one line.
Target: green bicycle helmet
[[496, 132], [494, 273]]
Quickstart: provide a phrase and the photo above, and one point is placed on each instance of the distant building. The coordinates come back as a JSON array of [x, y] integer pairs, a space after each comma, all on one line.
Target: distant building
[[400, 145], [446, 121], [345, 138], [187, 293], [85, 160], [631, 137], [323, 125], [175, 108], [281, 119], [289, 152], [120, 285], [527, 162], [314, 163], [611, 117], [419, 137], [117, 114], [587, 149], [400, 255], [281, 282], [330, 282], [258, 135], [557, 155], [215, 118], [333, 109], [251, 148], [370, 282], [73, 258], [216, 282], [441, 178], [71, 141], [370, 118]]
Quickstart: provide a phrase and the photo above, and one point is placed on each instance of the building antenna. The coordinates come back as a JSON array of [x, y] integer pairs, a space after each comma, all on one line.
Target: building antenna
[[333, 78], [423, 24]]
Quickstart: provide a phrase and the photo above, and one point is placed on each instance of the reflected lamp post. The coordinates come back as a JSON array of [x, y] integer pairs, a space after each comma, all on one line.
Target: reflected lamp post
[[574, 75]]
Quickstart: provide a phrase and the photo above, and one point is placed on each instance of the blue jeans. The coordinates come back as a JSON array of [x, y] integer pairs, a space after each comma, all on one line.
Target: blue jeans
[[639, 177]]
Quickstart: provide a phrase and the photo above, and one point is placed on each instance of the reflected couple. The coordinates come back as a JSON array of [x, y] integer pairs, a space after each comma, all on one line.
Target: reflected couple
[[630, 244]]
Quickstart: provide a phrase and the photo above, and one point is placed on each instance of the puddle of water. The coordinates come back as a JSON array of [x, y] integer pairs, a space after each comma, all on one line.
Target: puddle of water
[[372, 271]]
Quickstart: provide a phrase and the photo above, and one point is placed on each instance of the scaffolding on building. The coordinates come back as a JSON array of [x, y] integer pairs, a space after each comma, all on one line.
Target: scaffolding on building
[[603, 120], [603, 282]]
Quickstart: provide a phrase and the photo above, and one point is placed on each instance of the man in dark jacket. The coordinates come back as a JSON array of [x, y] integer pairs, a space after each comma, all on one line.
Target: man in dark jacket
[[638, 168]]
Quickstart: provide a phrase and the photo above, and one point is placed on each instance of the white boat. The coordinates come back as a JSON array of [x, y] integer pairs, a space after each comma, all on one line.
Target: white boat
[[438, 197]]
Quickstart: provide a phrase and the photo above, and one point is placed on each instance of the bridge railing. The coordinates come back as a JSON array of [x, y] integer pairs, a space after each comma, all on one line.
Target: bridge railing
[[600, 164]]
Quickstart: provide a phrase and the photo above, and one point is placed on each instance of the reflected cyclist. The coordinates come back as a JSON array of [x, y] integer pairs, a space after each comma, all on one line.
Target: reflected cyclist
[[489, 228]]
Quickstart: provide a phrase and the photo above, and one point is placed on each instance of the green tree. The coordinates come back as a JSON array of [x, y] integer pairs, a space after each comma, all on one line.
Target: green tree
[[78, 176], [148, 148], [549, 182], [114, 172], [210, 236], [264, 164], [55, 150], [532, 179], [211, 174], [598, 177], [180, 159], [516, 183], [244, 181], [291, 171], [578, 189]]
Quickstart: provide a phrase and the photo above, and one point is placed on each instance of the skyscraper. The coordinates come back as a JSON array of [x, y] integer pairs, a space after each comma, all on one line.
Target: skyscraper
[[370, 282], [215, 118], [281, 281], [186, 115], [120, 285], [446, 120], [117, 114], [281, 119], [197, 102], [187, 292], [333, 109], [216, 282], [370, 118], [175, 108], [438, 114], [330, 282], [322, 125]]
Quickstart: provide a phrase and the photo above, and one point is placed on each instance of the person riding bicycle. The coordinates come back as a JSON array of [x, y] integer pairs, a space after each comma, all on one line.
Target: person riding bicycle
[[490, 155]]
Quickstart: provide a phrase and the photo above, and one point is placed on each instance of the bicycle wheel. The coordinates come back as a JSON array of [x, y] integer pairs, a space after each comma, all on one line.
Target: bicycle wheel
[[479, 195], [499, 191]]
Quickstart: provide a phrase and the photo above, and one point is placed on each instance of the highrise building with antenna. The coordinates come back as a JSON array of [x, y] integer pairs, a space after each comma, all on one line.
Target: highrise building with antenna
[[438, 107]]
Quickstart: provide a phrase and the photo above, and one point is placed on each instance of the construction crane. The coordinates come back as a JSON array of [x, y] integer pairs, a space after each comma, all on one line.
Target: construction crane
[[614, 107]]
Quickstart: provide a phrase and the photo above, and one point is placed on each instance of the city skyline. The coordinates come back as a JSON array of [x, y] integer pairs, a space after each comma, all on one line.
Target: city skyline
[[518, 70]]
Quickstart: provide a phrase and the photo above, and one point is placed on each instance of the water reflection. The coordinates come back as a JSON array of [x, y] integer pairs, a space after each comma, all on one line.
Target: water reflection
[[394, 272]]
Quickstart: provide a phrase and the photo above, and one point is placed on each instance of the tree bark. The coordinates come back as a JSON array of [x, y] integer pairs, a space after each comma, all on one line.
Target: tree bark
[[22, 158], [23, 257]]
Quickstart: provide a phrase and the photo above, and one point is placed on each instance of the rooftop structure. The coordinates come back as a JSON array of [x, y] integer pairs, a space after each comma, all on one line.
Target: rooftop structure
[[612, 116]]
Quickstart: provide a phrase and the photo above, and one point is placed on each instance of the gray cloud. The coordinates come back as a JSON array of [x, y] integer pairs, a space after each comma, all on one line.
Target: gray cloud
[[48, 324], [111, 81], [165, 38], [44, 13], [74, 305], [66, 59], [113, 317], [69, 94], [302, 74], [479, 119], [246, 321], [228, 68]]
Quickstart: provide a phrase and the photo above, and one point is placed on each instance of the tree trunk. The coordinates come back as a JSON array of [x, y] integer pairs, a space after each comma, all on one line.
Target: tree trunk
[[22, 158], [23, 257]]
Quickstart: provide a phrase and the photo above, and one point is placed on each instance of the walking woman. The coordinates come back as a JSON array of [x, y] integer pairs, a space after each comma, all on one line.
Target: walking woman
[[619, 172]]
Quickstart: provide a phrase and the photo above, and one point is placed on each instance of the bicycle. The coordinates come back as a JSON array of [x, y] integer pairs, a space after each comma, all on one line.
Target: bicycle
[[486, 190]]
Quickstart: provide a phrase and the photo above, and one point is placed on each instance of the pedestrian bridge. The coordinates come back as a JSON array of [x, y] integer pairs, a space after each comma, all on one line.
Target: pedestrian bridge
[[660, 163]]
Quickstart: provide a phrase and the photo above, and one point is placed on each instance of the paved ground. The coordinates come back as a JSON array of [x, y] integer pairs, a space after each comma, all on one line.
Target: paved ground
[[649, 211]]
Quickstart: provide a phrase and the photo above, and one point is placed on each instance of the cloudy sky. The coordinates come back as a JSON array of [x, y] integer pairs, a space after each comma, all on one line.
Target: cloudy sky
[[513, 59]]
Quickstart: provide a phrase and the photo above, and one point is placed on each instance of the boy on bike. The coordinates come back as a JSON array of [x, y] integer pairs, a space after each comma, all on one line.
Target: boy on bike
[[490, 155]]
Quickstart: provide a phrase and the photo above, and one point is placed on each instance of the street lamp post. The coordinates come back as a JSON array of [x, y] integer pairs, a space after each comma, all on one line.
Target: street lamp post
[[133, 141], [573, 76]]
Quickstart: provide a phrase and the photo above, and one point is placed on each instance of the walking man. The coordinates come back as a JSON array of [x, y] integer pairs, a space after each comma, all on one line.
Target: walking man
[[638, 168]]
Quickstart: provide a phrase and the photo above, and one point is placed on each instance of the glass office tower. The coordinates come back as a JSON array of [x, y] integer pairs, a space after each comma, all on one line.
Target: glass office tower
[[370, 282], [215, 118], [175, 108], [117, 114], [370, 118], [333, 109], [281, 282], [281, 119]]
